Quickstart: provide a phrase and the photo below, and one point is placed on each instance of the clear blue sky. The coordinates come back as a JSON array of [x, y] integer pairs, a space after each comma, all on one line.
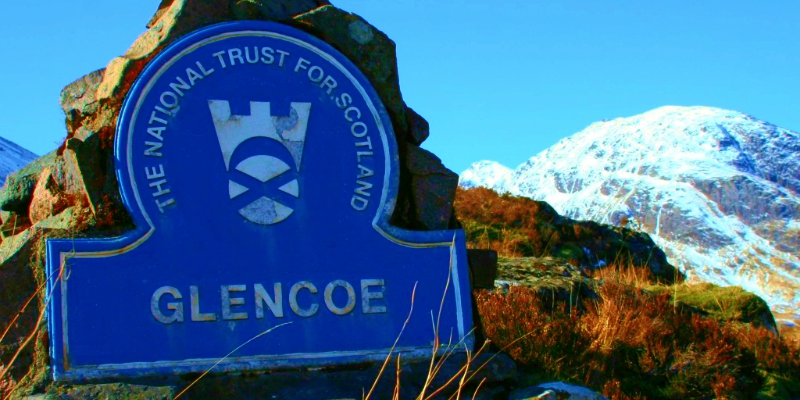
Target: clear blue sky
[[499, 80]]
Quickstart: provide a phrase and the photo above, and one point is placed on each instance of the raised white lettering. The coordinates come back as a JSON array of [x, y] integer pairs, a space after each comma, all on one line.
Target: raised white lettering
[[367, 297], [228, 302], [177, 307]]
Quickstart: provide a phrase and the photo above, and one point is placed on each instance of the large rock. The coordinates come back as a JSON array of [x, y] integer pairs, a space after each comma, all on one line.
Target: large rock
[[418, 127], [90, 168], [14, 224], [78, 98], [18, 192], [432, 188], [48, 197]]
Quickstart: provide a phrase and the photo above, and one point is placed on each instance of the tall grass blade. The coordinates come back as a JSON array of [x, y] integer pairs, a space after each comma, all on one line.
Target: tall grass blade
[[228, 355], [396, 340]]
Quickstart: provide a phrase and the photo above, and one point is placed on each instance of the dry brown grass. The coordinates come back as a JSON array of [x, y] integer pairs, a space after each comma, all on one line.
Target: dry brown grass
[[630, 275], [457, 384], [632, 344], [662, 343], [791, 334], [512, 226]]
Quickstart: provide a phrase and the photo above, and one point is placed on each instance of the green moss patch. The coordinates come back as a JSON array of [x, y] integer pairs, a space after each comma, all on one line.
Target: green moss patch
[[730, 303]]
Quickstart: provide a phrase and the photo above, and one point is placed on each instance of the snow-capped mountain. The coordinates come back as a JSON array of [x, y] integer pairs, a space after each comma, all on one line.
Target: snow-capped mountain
[[485, 173], [12, 158], [718, 190]]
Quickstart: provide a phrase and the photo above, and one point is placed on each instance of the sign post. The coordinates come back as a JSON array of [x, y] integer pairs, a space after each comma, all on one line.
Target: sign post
[[261, 170]]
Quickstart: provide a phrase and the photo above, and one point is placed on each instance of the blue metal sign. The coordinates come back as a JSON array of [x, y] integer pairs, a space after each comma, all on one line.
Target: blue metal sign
[[261, 169]]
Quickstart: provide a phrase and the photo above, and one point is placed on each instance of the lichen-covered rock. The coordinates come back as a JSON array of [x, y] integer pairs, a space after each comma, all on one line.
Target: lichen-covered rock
[[64, 221], [179, 17], [78, 98], [17, 192], [14, 224], [48, 197], [552, 278], [176, 18], [724, 303]]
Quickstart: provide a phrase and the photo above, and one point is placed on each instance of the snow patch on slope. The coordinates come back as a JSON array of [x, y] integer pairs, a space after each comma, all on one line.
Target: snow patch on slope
[[484, 173]]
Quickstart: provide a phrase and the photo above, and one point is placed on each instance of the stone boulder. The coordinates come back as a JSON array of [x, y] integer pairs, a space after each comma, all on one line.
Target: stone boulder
[[48, 197], [432, 188]]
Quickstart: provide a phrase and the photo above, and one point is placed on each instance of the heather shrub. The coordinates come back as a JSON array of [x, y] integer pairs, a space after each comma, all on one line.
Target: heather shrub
[[730, 303], [630, 343]]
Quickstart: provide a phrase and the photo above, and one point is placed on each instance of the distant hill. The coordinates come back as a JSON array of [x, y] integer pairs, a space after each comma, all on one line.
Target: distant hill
[[12, 158], [718, 190]]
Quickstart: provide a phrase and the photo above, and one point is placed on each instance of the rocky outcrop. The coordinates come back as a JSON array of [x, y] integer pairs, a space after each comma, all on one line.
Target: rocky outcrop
[[73, 191]]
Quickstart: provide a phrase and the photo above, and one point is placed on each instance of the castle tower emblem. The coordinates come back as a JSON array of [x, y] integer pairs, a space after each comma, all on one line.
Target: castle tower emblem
[[289, 131]]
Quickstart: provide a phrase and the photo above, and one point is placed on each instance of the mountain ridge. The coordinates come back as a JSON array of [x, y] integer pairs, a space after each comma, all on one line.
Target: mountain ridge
[[717, 189]]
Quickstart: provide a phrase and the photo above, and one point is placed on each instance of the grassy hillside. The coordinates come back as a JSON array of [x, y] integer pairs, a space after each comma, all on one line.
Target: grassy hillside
[[621, 326]]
